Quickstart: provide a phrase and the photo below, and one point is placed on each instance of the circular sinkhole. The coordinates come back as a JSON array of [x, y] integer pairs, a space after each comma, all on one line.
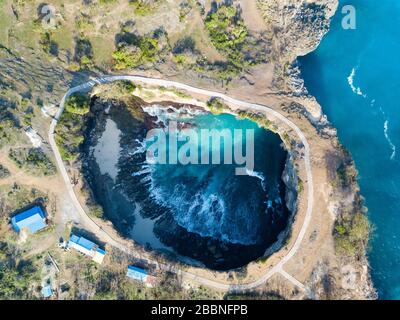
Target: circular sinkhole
[[206, 214]]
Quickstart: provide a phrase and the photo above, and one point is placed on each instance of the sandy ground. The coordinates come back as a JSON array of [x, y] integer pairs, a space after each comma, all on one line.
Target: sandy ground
[[252, 16]]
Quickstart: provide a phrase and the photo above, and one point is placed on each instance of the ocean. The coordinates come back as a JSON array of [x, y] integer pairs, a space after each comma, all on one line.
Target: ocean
[[354, 75]]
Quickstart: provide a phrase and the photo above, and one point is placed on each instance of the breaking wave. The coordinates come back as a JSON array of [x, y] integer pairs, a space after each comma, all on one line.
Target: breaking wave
[[350, 80], [386, 132]]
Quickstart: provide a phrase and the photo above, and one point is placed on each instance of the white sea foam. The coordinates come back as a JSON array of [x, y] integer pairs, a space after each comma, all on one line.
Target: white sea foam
[[205, 214], [350, 80], [141, 148], [145, 170], [164, 113], [386, 131], [258, 175]]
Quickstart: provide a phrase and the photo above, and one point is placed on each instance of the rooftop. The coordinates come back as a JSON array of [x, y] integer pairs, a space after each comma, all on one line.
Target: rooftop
[[32, 219], [87, 247], [137, 273], [47, 291]]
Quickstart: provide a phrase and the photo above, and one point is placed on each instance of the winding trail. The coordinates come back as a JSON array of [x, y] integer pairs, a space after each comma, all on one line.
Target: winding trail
[[94, 227]]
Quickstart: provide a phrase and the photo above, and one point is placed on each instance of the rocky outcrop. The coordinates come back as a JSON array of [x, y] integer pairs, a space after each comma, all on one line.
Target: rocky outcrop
[[296, 26], [291, 180]]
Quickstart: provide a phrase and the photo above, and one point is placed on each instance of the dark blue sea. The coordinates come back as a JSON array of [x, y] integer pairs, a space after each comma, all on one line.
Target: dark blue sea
[[355, 76]]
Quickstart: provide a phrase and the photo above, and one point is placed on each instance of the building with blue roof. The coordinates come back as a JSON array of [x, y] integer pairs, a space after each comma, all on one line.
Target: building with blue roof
[[87, 247], [141, 275], [137, 273], [47, 292], [32, 220]]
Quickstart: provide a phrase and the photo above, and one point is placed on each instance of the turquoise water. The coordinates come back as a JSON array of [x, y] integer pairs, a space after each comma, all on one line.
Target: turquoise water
[[354, 75], [211, 200], [203, 212]]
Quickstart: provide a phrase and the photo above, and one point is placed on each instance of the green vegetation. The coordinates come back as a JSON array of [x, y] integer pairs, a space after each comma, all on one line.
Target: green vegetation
[[179, 93], [345, 176], [96, 211], [230, 36], [300, 186], [15, 197], [185, 54], [261, 120], [94, 282], [254, 296], [7, 135], [125, 87], [83, 54], [228, 33], [78, 104], [184, 10], [118, 90], [47, 44], [34, 160], [69, 131], [217, 106], [10, 113], [83, 22], [140, 51], [4, 172], [17, 274], [105, 2], [352, 235], [144, 7]]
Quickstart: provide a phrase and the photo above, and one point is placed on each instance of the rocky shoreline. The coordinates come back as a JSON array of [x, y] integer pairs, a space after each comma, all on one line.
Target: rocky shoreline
[[309, 107]]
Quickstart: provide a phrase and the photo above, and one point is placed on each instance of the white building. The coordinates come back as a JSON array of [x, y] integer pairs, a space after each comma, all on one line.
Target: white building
[[87, 247]]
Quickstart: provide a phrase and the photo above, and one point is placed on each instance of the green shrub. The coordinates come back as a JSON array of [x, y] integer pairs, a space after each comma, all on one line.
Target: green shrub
[[96, 211], [180, 59], [217, 106], [17, 275], [4, 172], [7, 132], [105, 2], [69, 133], [143, 51], [83, 53], [228, 33], [34, 160], [125, 87], [78, 104], [257, 118], [144, 7], [352, 235]]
